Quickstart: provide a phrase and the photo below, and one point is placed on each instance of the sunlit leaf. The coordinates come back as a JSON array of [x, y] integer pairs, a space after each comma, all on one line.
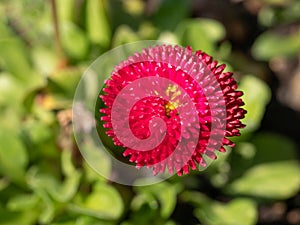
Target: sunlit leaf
[[104, 203], [264, 149], [45, 60], [26, 217], [66, 10], [192, 34], [105, 199], [215, 30], [256, 96], [236, 212], [123, 35], [148, 31], [271, 44], [277, 180], [168, 37], [98, 28], [200, 34], [74, 41], [134, 7]]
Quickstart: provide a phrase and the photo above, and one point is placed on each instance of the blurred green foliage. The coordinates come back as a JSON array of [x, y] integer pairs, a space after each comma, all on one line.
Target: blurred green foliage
[[43, 178]]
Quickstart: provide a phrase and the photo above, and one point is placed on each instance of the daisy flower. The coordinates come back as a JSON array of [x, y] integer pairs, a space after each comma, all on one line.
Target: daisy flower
[[169, 106]]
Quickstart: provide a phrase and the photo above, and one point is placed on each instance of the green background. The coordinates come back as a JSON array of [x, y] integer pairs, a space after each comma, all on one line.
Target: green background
[[44, 51]]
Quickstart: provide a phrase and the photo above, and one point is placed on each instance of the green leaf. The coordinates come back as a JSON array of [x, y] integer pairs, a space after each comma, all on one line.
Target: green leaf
[[68, 168], [13, 156], [256, 97], [97, 23], [48, 209], [105, 199], [66, 10], [83, 220], [134, 7], [3, 183], [269, 148], [64, 82], [277, 180], [104, 203], [263, 150], [168, 14], [86, 220], [61, 191], [37, 131], [22, 201], [200, 34], [270, 44], [10, 90], [71, 222], [191, 33], [5, 32], [26, 217], [278, 2], [164, 193], [209, 212], [236, 212], [74, 41], [219, 170], [197, 199], [98, 160], [70, 186], [147, 31], [14, 58], [123, 35], [13, 93], [45, 60], [215, 30], [168, 37]]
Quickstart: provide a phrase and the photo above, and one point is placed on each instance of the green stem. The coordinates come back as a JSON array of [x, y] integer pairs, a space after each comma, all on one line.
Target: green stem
[[56, 28]]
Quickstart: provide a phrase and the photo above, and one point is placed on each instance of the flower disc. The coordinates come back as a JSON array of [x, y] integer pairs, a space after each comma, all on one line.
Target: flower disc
[[168, 106]]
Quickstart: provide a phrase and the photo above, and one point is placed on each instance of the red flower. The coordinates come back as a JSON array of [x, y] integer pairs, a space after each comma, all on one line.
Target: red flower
[[197, 103]]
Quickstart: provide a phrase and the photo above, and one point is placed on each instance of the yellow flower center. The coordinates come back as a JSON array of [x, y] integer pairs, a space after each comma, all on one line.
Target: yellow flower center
[[173, 92]]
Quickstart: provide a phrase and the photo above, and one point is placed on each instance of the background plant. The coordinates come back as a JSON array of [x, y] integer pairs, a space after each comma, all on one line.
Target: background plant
[[45, 46]]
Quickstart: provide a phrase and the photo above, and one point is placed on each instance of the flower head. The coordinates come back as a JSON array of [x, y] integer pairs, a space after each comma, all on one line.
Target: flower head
[[168, 106]]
